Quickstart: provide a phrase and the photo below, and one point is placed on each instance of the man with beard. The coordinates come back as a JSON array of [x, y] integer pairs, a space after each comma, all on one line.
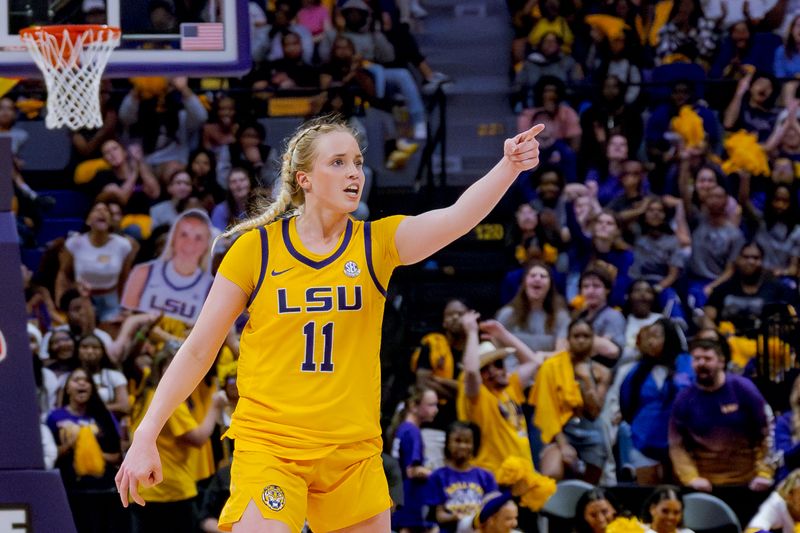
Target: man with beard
[[720, 428], [741, 299], [491, 397]]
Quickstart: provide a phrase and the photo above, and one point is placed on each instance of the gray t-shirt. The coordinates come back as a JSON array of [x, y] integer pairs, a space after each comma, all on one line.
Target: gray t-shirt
[[535, 334], [713, 248], [652, 257], [779, 244], [610, 323]]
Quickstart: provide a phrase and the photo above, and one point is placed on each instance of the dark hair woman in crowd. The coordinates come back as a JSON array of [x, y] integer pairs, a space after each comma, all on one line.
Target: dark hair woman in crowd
[[92, 497]]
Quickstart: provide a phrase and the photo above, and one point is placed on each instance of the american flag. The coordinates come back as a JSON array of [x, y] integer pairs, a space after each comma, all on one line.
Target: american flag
[[202, 36]]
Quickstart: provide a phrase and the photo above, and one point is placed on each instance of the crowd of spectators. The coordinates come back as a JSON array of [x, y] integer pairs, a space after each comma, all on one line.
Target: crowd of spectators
[[627, 339], [646, 256]]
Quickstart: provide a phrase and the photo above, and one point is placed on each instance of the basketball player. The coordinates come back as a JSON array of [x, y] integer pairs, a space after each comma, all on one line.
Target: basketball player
[[306, 428]]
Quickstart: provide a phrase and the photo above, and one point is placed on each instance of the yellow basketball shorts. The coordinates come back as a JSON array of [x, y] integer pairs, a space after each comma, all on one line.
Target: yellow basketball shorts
[[341, 489]]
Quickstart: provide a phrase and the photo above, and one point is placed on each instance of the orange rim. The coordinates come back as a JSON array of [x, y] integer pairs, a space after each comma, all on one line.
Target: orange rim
[[72, 30], [97, 33]]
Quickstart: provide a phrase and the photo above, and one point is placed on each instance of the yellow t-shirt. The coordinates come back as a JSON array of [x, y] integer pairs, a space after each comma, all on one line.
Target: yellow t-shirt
[[201, 459], [504, 432], [177, 469], [309, 367]]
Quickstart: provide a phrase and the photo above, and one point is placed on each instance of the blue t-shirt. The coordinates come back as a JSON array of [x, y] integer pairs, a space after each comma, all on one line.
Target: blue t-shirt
[[785, 66], [409, 450], [459, 492], [651, 421]]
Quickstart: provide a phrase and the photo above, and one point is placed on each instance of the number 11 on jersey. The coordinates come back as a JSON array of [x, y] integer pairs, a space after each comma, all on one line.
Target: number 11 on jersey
[[310, 333]]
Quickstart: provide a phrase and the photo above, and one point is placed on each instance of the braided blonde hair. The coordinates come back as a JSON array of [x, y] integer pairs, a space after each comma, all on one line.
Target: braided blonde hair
[[298, 156]]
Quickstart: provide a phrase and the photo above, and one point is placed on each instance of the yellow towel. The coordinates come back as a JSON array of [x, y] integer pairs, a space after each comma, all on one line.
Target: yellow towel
[[649, 35], [440, 354], [87, 170], [555, 394], [88, 458]]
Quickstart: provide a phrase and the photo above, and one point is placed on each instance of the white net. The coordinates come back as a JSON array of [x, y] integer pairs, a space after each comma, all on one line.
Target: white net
[[72, 64]]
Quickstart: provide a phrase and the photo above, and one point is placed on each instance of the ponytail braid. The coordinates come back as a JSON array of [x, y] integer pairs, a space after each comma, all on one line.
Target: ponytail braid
[[298, 156]]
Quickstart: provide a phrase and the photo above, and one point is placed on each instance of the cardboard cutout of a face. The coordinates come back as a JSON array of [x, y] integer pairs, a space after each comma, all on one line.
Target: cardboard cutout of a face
[[178, 282]]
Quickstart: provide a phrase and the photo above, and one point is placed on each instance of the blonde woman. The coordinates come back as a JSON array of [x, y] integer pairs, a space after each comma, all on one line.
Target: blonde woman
[[307, 426], [176, 283], [781, 510]]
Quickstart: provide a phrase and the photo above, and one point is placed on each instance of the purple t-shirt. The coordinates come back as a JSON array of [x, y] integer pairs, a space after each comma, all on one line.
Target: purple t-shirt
[[107, 437], [723, 431], [459, 492], [409, 450]]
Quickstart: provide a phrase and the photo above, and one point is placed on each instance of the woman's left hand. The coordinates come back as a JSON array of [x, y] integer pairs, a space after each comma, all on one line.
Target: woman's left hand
[[522, 151]]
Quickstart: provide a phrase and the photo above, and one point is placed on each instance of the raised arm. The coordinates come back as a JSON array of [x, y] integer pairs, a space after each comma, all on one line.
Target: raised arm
[[420, 236], [735, 106], [471, 358], [142, 466], [529, 361]]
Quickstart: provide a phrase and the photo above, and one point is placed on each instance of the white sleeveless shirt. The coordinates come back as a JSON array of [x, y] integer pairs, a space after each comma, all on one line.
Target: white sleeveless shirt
[[179, 297], [99, 266]]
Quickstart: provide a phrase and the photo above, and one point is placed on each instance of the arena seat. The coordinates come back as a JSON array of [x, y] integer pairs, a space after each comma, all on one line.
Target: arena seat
[[68, 203], [703, 512], [561, 505], [52, 228], [59, 148]]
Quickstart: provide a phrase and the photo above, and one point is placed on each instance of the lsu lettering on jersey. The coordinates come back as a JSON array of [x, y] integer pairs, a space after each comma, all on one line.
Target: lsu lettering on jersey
[[309, 368], [177, 296]]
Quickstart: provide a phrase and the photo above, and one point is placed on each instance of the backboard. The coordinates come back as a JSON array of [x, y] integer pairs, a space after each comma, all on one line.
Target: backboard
[[159, 37]]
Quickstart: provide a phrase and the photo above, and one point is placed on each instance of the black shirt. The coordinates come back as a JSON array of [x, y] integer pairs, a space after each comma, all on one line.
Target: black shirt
[[743, 310]]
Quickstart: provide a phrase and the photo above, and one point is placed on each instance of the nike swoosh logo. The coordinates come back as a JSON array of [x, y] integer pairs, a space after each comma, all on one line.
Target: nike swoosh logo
[[274, 273]]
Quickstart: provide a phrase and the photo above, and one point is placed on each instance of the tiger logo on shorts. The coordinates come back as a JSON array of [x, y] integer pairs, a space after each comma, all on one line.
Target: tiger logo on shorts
[[273, 497]]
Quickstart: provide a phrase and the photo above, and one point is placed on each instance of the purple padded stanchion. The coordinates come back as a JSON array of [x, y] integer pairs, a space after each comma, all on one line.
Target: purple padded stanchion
[[32, 499]]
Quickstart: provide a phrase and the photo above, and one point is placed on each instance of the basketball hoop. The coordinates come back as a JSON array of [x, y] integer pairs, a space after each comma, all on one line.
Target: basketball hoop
[[72, 59]]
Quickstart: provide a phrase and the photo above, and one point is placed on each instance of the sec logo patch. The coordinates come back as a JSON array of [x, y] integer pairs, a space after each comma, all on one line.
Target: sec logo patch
[[273, 497], [351, 269]]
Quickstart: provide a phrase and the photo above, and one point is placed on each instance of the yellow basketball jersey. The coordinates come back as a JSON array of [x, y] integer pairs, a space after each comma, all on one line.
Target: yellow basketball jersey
[[309, 368]]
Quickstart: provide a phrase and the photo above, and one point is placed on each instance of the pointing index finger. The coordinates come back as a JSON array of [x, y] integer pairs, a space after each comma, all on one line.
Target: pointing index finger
[[533, 132]]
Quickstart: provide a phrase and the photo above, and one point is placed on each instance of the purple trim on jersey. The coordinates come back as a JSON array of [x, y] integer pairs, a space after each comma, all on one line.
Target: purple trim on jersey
[[150, 267], [264, 257], [175, 287], [370, 267], [348, 233]]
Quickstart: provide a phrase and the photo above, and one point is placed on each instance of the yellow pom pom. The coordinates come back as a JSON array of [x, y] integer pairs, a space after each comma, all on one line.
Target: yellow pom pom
[[512, 470], [744, 153], [540, 488], [549, 254], [533, 488], [88, 459], [150, 86], [689, 126], [625, 525]]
